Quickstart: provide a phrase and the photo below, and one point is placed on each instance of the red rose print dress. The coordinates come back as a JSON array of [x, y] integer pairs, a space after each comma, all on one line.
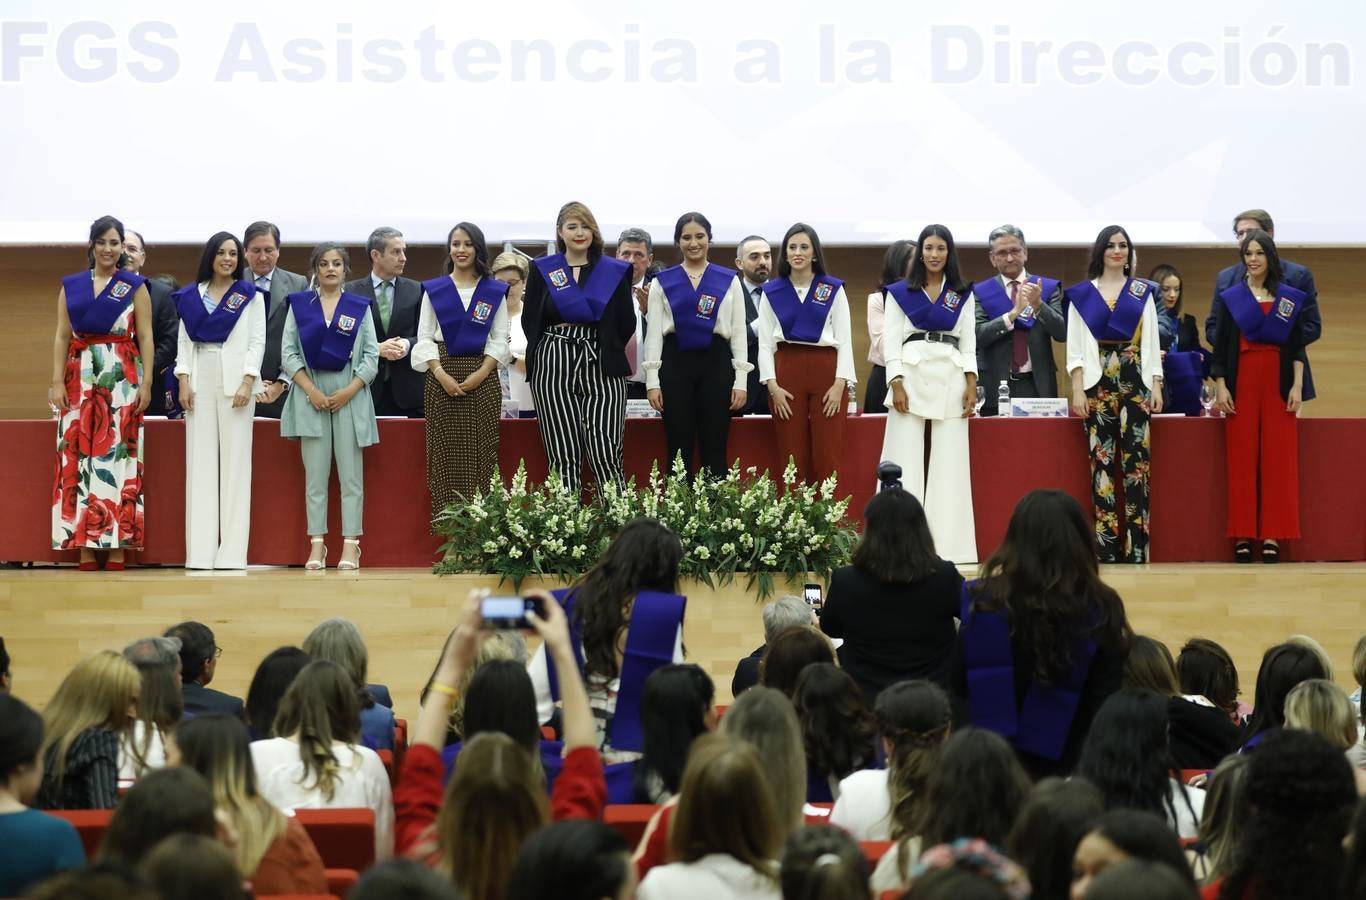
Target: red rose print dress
[[97, 492]]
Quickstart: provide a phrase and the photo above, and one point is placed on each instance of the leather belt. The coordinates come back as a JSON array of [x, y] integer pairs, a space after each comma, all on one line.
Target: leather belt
[[934, 337]]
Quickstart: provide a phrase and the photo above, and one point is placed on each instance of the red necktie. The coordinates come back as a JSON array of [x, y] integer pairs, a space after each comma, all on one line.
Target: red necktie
[[1019, 355]]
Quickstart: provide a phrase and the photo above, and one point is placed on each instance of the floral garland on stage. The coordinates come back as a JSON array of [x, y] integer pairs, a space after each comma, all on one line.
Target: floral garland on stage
[[739, 524]]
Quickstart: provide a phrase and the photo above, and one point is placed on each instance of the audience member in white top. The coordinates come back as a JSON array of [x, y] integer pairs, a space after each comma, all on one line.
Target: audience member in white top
[[1320, 706], [823, 862], [317, 764]]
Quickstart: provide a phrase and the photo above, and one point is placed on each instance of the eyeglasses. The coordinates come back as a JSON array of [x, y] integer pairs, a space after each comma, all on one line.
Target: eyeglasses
[[1008, 254], [217, 651]]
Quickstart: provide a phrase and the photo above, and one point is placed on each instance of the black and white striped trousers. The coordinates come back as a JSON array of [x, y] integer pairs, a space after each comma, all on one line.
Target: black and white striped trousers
[[578, 408]]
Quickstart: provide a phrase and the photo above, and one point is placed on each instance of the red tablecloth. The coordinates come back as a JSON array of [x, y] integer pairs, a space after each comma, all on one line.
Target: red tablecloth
[[1009, 458]]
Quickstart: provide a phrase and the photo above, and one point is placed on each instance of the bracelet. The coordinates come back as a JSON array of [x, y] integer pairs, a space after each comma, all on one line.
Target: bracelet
[[444, 689]]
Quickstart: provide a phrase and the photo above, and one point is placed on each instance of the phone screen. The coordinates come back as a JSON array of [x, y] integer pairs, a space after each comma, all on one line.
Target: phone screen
[[813, 594], [502, 607]]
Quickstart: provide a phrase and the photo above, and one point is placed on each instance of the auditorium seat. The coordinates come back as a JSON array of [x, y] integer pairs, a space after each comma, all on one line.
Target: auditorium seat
[[90, 824], [629, 819], [345, 838], [400, 743], [1188, 774], [341, 881], [390, 767], [875, 850]]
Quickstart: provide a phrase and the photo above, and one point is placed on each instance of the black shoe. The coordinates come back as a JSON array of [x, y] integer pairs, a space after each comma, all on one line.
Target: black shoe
[[1271, 552], [1242, 552]]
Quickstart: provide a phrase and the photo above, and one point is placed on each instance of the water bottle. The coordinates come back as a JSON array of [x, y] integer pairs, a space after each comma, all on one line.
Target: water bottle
[[1003, 399], [852, 408]]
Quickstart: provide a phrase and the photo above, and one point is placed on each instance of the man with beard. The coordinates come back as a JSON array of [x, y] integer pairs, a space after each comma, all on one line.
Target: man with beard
[[754, 259]]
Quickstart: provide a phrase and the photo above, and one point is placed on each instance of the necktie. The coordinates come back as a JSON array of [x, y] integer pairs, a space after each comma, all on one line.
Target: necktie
[[385, 304], [263, 285], [1019, 353], [751, 305]]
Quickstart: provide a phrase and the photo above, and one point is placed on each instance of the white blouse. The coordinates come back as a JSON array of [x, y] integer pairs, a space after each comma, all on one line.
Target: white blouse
[[864, 806], [836, 333], [518, 389], [876, 327], [1083, 350], [716, 876], [730, 326], [429, 332]]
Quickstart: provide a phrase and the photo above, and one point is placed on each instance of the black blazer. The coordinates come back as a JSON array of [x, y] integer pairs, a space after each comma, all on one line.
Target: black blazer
[[1224, 363], [282, 284], [1297, 276], [615, 328], [200, 700], [747, 672], [397, 375], [756, 398], [995, 345], [165, 335]]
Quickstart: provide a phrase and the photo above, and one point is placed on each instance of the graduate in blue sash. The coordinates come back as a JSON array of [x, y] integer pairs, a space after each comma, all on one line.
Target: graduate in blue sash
[[1258, 368], [578, 314], [462, 338], [930, 343], [100, 357], [218, 362], [1185, 364], [1116, 370], [696, 351], [330, 353], [806, 356]]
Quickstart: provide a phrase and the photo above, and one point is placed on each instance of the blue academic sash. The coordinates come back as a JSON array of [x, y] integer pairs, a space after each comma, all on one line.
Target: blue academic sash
[[992, 296], [212, 327], [1264, 327], [650, 640], [941, 315], [327, 345], [695, 310], [1183, 374], [96, 315], [800, 321], [580, 305], [465, 331], [1105, 324]]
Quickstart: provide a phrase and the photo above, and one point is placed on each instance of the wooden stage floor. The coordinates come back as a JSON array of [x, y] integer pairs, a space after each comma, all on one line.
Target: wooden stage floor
[[50, 617]]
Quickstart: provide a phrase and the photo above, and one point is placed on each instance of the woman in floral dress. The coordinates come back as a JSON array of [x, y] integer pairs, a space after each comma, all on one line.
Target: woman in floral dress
[[104, 332]]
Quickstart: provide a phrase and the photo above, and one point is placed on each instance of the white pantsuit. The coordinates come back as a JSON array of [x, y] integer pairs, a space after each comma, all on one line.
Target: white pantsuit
[[218, 441], [935, 377]]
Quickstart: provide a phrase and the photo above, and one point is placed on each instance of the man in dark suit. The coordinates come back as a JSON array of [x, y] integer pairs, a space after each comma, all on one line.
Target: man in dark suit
[[1023, 358], [198, 661], [779, 615], [636, 247], [262, 243], [165, 322], [394, 305], [1296, 275], [754, 260]]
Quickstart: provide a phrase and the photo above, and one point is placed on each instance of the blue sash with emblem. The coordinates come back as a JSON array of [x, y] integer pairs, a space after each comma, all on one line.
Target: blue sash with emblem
[[1183, 372], [991, 294], [465, 331], [212, 327], [1264, 327], [327, 346], [96, 315], [1105, 324], [580, 305], [695, 310], [800, 321], [941, 315]]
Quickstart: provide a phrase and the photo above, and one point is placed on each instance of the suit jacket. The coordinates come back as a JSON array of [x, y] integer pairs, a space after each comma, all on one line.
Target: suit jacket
[[995, 348], [396, 376], [747, 672], [165, 329], [239, 356], [756, 398], [615, 328], [1228, 351], [282, 284], [200, 700], [1295, 275]]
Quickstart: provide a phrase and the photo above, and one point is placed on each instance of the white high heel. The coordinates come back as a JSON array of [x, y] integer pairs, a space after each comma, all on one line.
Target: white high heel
[[315, 565], [346, 563]]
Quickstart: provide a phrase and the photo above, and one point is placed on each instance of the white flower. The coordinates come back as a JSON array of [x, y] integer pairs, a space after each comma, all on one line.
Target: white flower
[[727, 548], [490, 547], [701, 552], [515, 552]]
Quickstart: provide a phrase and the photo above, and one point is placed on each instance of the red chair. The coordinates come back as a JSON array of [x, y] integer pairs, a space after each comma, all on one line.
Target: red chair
[[390, 766], [548, 733], [341, 881], [1188, 774], [629, 819], [400, 743], [345, 838], [90, 824], [875, 850]]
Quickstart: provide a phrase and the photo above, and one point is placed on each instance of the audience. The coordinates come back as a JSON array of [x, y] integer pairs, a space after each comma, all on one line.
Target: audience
[[1357, 754], [6, 679], [821, 863], [1283, 666], [402, 879], [33, 845], [967, 868], [1200, 734], [1057, 815], [160, 705], [273, 677], [1208, 677], [162, 803], [1320, 706], [101, 881], [791, 652], [339, 641], [1354, 876], [1224, 818], [1124, 834], [837, 729], [778, 615], [677, 707], [87, 719], [199, 654], [193, 867], [493, 645], [573, 860], [1135, 879]]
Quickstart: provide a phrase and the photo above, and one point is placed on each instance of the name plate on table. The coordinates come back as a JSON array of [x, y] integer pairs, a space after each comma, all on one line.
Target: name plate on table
[[1038, 407], [640, 409], [511, 409]]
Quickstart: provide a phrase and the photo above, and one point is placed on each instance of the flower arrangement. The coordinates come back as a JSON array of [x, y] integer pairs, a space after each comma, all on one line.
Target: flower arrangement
[[738, 524]]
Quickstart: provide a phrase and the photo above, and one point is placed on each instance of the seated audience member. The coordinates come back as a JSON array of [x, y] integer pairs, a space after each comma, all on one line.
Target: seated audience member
[[99, 881], [967, 869], [1301, 793], [162, 803], [823, 863], [492, 645], [897, 604], [33, 845], [1127, 756], [315, 762], [340, 641], [778, 615], [87, 718], [1135, 879], [273, 677], [193, 867], [1125, 834], [402, 878], [791, 652], [1041, 601], [913, 719], [1209, 677], [975, 789], [160, 705], [837, 729], [273, 851], [455, 832], [1283, 667], [1055, 818], [1354, 878], [726, 835], [1200, 735], [1224, 818], [1314, 647], [1320, 706], [6, 679], [573, 860], [677, 707], [1357, 755], [198, 662]]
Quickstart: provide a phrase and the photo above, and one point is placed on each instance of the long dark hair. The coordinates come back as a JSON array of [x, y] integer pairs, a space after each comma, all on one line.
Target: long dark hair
[[1127, 756], [673, 713], [501, 698], [1095, 265], [1275, 274], [1162, 273], [1046, 577], [1283, 667], [1205, 669], [481, 249], [690, 217], [915, 718], [644, 556], [273, 677], [1044, 838], [21, 736], [817, 254], [97, 230], [897, 546], [1149, 665], [161, 803], [321, 707], [210, 252], [579, 859], [1146, 836], [789, 653], [837, 726], [894, 262], [953, 276]]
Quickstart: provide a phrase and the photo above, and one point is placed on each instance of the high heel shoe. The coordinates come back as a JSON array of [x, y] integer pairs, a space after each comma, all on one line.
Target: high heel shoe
[[315, 565], [1242, 552], [347, 564], [1271, 552]]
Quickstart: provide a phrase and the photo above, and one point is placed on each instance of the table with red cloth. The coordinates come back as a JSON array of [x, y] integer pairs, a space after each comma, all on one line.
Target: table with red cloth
[[1010, 457]]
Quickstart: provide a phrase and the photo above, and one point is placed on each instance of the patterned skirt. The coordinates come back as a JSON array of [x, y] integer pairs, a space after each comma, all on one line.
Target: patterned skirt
[[462, 432]]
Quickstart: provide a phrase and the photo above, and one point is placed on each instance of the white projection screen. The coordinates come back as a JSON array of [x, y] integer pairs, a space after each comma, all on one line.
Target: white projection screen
[[866, 119]]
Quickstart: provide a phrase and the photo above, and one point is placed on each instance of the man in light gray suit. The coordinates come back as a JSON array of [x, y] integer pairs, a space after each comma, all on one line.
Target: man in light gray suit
[[262, 242], [394, 305], [1007, 349]]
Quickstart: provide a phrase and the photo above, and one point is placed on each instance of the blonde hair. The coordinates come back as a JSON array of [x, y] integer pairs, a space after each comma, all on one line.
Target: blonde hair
[[724, 807], [1314, 647], [339, 640], [509, 259], [1359, 661], [1225, 816], [96, 693], [495, 645], [1320, 706], [320, 707], [766, 719], [576, 210]]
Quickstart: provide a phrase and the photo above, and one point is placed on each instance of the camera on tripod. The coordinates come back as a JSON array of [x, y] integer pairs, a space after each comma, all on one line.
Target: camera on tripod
[[888, 476]]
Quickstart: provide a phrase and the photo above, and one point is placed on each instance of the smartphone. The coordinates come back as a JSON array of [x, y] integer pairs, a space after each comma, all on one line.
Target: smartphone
[[506, 613], [812, 592]]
